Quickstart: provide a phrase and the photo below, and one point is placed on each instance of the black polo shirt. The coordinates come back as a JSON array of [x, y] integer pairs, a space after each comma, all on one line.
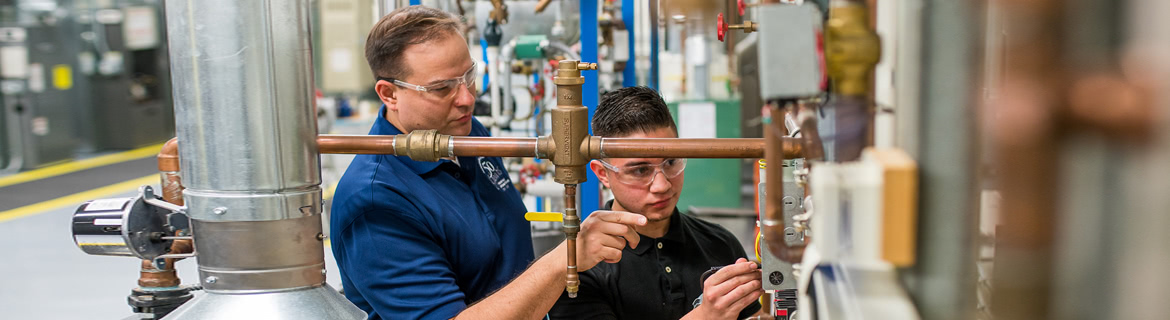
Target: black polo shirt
[[657, 280]]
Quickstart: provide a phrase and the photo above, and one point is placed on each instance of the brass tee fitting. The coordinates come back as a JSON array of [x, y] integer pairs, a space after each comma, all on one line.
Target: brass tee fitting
[[570, 123]]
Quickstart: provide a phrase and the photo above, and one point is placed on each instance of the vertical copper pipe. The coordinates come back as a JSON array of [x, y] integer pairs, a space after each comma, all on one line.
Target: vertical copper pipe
[[773, 223], [1027, 155], [572, 224], [172, 191], [168, 168]]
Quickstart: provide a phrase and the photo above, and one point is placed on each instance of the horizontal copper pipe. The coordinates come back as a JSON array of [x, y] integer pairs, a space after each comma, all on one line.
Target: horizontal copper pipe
[[610, 147], [495, 147], [355, 144], [688, 148]]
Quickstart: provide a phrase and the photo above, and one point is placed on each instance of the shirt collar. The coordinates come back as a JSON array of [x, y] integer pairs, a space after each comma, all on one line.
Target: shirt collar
[[384, 127], [675, 233]]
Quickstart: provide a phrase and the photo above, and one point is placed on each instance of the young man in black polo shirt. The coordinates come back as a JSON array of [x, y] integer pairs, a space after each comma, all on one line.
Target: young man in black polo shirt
[[659, 279]]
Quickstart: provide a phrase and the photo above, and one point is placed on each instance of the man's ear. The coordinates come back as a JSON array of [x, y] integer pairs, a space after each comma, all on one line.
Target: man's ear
[[388, 93], [600, 172]]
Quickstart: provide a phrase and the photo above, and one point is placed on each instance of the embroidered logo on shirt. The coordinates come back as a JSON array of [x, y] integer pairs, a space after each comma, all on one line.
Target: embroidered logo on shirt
[[498, 177]]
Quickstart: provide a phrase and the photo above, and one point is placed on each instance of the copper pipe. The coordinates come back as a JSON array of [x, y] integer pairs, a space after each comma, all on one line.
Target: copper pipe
[[172, 191], [610, 147], [355, 144], [773, 224], [540, 6], [1027, 140], [495, 147], [149, 277], [689, 148], [168, 167], [572, 225]]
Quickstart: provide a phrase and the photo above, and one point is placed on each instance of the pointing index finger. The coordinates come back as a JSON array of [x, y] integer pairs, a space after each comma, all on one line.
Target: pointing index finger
[[626, 218]]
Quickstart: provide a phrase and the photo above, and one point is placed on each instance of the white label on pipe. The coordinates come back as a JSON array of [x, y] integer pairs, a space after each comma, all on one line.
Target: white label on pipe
[[108, 204], [107, 222]]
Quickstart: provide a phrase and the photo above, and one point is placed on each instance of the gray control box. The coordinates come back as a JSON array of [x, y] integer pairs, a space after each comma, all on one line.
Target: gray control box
[[788, 62], [777, 274]]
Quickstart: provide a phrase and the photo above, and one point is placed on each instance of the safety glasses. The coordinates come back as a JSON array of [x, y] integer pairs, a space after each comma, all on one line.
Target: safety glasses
[[441, 89], [643, 174]]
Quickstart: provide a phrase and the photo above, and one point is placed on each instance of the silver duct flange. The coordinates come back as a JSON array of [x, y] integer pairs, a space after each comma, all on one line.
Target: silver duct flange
[[321, 302]]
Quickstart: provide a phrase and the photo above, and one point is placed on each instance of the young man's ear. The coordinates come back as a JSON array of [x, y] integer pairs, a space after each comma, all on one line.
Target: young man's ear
[[600, 172], [388, 93]]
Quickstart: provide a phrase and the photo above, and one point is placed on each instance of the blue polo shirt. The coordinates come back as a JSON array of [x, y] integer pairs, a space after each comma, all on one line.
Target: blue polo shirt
[[423, 240]]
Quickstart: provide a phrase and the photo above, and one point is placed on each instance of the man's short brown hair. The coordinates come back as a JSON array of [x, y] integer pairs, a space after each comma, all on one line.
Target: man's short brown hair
[[400, 29]]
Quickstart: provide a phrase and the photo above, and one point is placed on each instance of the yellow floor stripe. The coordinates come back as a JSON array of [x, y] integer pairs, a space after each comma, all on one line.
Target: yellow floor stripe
[[56, 170], [78, 198], [328, 193]]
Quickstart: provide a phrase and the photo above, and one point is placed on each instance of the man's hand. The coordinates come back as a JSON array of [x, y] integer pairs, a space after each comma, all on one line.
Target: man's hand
[[727, 292], [604, 235]]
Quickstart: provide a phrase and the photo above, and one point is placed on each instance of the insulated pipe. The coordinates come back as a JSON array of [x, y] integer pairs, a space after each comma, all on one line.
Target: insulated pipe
[[242, 75]]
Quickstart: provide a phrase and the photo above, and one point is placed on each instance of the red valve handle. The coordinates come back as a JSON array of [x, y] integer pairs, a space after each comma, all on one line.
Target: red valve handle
[[720, 27], [739, 4]]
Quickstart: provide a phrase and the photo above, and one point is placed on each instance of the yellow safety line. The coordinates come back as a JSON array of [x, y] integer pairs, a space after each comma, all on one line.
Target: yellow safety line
[[52, 171], [328, 193], [78, 198]]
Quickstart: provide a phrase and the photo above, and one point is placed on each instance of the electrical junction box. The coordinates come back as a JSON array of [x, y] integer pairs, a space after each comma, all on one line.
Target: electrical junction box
[[777, 274], [788, 42]]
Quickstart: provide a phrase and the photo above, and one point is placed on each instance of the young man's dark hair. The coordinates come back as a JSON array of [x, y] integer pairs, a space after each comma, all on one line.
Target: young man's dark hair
[[628, 110], [400, 29]]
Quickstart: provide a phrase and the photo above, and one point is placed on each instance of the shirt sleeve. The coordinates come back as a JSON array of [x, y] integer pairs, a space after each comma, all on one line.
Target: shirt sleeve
[[591, 302], [399, 267]]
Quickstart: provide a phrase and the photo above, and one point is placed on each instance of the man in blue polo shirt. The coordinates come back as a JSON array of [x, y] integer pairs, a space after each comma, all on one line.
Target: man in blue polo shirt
[[441, 240]]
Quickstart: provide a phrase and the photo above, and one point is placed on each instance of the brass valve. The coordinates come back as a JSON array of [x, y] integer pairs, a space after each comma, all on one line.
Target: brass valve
[[852, 49], [499, 11]]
